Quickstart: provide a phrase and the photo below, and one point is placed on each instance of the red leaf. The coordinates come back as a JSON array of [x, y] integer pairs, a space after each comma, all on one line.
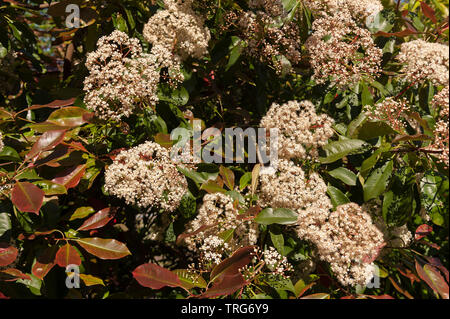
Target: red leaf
[[433, 278], [13, 274], [55, 104], [67, 255], [2, 296], [228, 176], [98, 220], [155, 277], [226, 285], [104, 248], [400, 34], [8, 254], [71, 177], [27, 197], [436, 262], [44, 263], [423, 231], [46, 142], [428, 11], [231, 265]]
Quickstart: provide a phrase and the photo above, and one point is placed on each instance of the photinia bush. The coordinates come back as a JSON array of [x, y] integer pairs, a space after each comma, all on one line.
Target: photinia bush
[[254, 149]]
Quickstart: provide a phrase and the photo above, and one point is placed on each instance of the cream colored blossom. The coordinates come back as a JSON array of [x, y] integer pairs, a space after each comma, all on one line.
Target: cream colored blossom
[[425, 61], [342, 52], [351, 242], [178, 31], [145, 176], [219, 213], [121, 77], [359, 9], [301, 130]]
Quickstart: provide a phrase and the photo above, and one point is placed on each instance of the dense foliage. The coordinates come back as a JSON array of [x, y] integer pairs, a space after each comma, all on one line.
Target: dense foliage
[[357, 89]]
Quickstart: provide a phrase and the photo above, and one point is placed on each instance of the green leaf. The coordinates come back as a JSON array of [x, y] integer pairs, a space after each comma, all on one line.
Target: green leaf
[[245, 180], [345, 175], [189, 279], [370, 162], [9, 154], [339, 149], [282, 216], [51, 188], [82, 212], [338, 198], [370, 130], [198, 177], [366, 96], [236, 49], [377, 182], [278, 242], [5, 223]]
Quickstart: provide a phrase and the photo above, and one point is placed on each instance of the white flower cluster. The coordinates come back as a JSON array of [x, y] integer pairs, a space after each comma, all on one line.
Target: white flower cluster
[[302, 131], [344, 238], [219, 213], [145, 176], [359, 9], [290, 188], [213, 250], [425, 61], [2, 144], [177, 32], [342, 52], [391, 111], [267, 37], [351, 242], [121, 77], [277, 263]]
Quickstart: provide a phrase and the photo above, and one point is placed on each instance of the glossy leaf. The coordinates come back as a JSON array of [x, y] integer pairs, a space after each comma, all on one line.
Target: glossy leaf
[[339, 149], [82, 212], [189, 279], [377, 182], [156, 277], [433, 278], [67, 255], [46, 142], [345, 175], [231, 265], [70, 178], [104, 248], [227, 176], [8, 254], [27, 197], [282, 216], [99, 220], [68, 116], [90, 280]]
